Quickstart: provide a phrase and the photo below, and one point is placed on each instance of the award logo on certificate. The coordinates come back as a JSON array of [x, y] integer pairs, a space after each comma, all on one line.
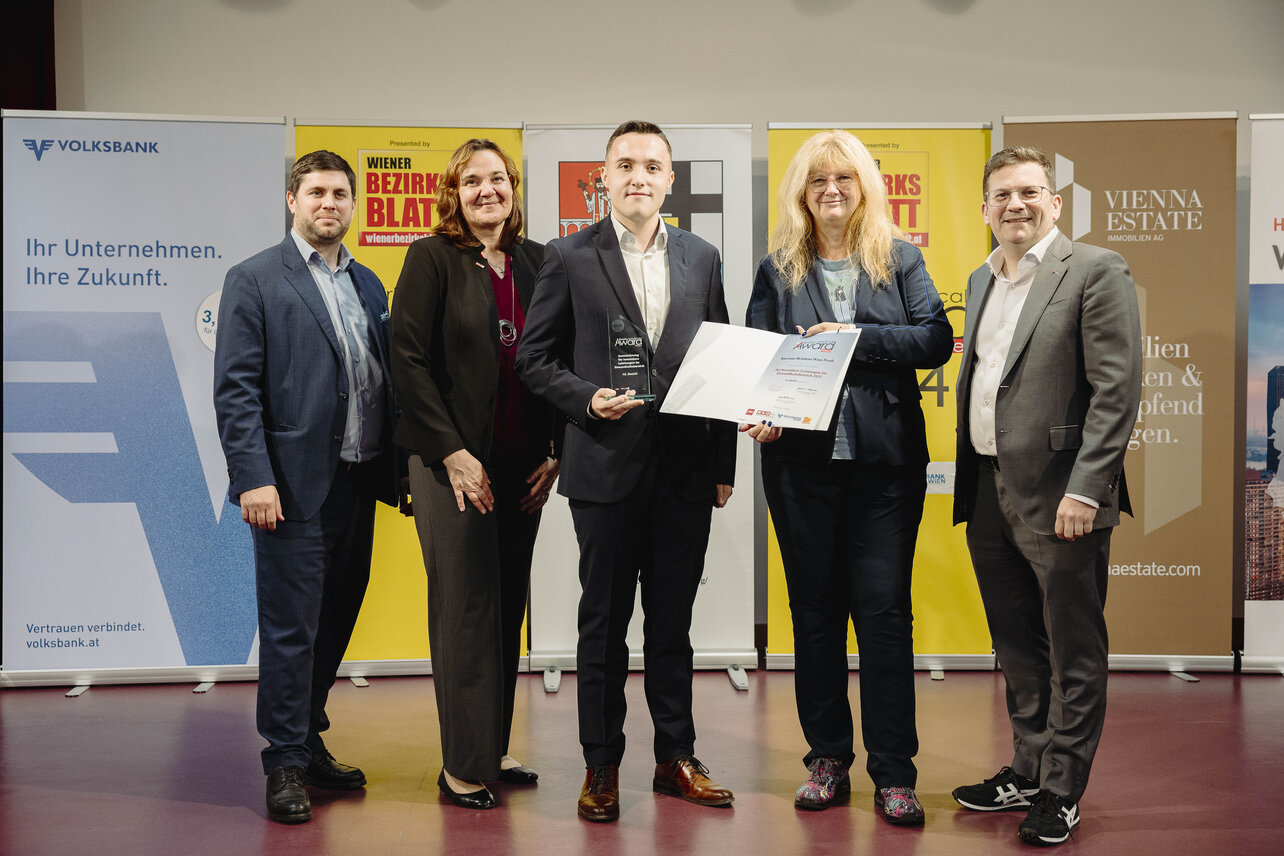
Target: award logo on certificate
[[630, 363], [744, 375]]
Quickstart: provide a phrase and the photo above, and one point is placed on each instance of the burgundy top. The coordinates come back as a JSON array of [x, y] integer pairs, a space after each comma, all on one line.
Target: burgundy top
[[510, 398]]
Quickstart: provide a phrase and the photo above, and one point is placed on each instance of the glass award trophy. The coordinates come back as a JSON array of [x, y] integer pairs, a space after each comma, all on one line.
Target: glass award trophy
[[630, 363]]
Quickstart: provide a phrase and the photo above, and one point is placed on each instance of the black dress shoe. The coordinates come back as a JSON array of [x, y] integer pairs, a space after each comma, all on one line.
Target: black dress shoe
[[476, 799], [519, 775], [287, 799], [325, 772]]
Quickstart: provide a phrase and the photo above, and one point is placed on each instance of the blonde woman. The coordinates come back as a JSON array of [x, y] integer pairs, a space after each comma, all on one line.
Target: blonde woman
[[847, 502]]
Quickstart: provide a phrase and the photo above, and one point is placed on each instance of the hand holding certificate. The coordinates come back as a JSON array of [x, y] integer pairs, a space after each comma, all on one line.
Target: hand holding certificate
[[745, 375]]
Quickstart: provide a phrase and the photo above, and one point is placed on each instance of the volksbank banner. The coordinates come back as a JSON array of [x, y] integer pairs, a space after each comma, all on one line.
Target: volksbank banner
[[120, 549]]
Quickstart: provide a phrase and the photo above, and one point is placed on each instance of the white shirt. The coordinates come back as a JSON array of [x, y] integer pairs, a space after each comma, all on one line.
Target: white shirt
[[649, 276], [994, 332]]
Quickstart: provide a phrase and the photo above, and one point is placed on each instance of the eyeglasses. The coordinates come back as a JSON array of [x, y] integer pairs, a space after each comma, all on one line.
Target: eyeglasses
[[1028, 195], [820, 183]]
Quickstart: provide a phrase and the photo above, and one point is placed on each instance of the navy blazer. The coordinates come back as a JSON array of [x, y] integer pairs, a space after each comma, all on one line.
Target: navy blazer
[[903, 329], [563, 356], [280, 391]]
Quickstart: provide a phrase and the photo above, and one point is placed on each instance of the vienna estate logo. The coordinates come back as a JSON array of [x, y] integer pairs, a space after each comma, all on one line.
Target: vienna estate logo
[[111, 147], [1135, 214], [1080, 198]]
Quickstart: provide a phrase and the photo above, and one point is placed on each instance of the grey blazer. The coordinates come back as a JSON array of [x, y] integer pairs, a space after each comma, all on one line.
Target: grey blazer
[[1070, 388]]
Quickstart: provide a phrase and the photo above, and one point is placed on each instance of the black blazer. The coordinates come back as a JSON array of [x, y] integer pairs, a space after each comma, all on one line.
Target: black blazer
[[903, 328], [445, 350], [563, 356]]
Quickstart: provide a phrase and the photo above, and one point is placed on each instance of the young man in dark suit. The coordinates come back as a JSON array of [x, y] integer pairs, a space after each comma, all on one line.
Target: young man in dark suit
[[305, 415], [641, 484], [1047, 397]]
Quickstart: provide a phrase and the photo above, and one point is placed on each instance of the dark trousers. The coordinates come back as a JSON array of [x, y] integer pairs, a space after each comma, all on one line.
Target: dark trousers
[[311, 577], [659, 539], [847, 539], [478, 568], [1044, 600], [517, 531]]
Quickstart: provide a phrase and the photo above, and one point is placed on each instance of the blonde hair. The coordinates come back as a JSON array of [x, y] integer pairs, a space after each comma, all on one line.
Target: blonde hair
[[870, 232]]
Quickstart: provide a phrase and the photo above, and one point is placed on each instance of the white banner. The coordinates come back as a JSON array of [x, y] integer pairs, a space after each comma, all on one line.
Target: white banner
[[1264, 489], [711, 197], [120, 550]]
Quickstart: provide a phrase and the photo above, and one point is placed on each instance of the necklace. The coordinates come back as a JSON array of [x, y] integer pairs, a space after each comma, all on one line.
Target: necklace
[[507, 329]]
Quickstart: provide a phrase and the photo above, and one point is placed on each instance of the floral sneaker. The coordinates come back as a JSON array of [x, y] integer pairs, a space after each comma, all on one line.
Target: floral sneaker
[[827, 784], [899, 806]]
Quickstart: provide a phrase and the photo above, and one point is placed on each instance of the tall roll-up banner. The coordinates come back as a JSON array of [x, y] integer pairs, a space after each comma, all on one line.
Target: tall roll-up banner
[[123, 560], [1263, 487], [1160, 190], [933, 178], [397, 167], [711, 197]]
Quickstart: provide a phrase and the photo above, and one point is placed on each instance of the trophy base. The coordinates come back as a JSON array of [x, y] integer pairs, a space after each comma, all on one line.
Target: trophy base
[[645, 397]]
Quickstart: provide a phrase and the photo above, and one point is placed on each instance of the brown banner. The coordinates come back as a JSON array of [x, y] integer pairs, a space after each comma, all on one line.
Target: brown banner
[[1161, 192]]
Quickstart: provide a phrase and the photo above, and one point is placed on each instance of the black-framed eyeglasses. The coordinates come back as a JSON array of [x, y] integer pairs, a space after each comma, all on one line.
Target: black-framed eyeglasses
[[1028, 195]]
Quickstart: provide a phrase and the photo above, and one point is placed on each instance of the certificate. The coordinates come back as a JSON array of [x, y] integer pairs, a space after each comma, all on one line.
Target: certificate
[[745, 375]]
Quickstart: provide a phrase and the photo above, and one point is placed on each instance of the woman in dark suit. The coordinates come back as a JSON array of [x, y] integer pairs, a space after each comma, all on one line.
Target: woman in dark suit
[[483, 458], [847, 502]]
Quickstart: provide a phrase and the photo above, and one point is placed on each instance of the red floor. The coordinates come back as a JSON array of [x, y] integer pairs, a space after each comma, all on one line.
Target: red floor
[[1183, 769]]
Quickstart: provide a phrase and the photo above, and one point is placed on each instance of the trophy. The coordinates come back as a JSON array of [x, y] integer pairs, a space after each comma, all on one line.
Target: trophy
[[630, 363]]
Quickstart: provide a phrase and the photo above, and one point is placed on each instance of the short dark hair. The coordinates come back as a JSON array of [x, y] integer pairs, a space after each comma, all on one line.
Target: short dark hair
[[451, 224], [637, 126], [320, 161], [1013, 155]]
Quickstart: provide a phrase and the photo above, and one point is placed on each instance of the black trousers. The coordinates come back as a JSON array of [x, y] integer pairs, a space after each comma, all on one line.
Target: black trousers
[[1044, 603], [847, 539], [659, 539], [311, 577], [478, 568]]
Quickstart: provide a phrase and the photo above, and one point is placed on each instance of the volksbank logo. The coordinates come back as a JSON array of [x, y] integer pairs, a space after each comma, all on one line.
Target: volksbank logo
[[38, 147], [110, 147]]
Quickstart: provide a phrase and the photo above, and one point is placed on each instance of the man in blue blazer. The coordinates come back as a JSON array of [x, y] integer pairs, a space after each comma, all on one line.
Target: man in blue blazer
[[1047, 396], [641, 484], [305, 415]]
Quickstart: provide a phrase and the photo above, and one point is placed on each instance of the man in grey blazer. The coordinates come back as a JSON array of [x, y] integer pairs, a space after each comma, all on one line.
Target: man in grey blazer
[[305, 415], [641, 484], [1047, 397]]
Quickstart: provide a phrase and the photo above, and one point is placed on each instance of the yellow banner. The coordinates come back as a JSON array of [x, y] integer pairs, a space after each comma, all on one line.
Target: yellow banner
[[933, 178], [397, 173]]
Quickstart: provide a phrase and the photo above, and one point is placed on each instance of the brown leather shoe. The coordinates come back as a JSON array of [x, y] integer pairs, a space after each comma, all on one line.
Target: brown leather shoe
[[600, 796], [684, 776]]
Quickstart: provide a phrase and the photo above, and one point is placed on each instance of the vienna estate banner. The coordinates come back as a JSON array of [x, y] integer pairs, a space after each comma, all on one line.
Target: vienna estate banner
[[121, 553], [398, 168], [933, 178], [711, 197], [1160, 190], [1263, 487]]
